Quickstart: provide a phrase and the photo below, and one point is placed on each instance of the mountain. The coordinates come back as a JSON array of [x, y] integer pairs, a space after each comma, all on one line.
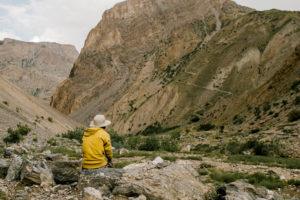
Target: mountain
[[18, 107], [163, 63], [36, 67]]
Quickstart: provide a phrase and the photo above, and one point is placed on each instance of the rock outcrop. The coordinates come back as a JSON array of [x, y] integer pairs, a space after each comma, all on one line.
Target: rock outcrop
[[36, 67]]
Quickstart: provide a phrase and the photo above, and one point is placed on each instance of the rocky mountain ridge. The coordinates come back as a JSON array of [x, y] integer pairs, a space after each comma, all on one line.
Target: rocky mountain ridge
[[36, 67]]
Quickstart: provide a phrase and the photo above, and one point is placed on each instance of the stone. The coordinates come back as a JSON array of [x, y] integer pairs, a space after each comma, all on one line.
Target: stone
[[123, 151], [100, 177], [282, 178], [15, 167], [187, 148], [4, 165], [37, 173], [19, 150], [176, 181], [90, 193], [157, 160], [66, 171], [240, 190]]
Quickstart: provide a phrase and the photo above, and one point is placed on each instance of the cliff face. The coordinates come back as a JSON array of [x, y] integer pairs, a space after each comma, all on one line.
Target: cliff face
[[168, 61], [36, 67]]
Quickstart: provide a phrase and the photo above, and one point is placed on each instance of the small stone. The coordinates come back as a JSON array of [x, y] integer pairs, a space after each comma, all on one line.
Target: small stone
[[282, 178], [14, 169], [123, 151]]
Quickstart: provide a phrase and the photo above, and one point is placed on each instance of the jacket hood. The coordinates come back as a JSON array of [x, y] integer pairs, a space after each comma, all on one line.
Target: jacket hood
[[91, 131]]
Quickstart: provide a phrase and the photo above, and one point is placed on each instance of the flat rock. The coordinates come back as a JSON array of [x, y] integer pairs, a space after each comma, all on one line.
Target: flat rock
[[66, 171]]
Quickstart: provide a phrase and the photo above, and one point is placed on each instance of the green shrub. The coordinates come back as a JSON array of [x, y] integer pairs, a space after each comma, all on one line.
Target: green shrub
[[65, 151], [294, 115], [294, 182], [297, 100], [257, 112], [206, 166], [234, 147], [202, 172], [5, 102], [206, 127], [194, 119], [237, 120], [169, 146], [15, 136], [52, 142], [225, 177], [175, 135], [269, 181], [256, 130], [120, 165], [295, 85], [266, 107], [134, 142], [169, 158], [76, 134], [50, 119], [150, 144], [205, 148], [35, 139]]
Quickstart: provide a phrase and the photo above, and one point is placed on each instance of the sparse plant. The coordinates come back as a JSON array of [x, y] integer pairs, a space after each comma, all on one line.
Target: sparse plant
[[76, 134], [206, 127], [266, 107], [167, 145], [5, 103], [35, 139], [52, 142], [297, 100], [50, 119], [195, 119], [15, 136], [151, 143], [294, 115]]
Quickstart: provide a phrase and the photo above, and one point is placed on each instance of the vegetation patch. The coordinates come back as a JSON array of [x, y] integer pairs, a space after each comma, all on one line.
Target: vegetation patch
[[291, 163], [75, 134], [206, 127], [15, 136], [120, 165], [65, 151], [294, 115]]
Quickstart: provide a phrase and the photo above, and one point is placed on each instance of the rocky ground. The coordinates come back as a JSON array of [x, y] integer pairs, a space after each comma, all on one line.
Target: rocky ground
[[42, 172]]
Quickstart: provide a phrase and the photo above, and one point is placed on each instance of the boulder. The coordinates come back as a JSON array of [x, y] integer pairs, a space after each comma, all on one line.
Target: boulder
[[37, 173], [102, 177], [66, 171], [240, 190], [90, 193], [15, 168], [4, 165], [175, 181], [19, 150]]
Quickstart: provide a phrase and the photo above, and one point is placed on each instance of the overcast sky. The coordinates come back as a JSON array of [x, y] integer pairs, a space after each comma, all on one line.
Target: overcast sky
[[69, 21]]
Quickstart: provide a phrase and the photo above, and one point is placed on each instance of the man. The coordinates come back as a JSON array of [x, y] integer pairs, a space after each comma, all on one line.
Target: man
[[96, 145]]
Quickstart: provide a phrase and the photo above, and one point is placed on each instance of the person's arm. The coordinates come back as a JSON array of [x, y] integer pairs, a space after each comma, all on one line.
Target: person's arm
[[108, 150]]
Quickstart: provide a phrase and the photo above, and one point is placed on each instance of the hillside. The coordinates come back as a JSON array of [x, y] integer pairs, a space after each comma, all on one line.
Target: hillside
[[36, 67], [19, 107], [168, 63]]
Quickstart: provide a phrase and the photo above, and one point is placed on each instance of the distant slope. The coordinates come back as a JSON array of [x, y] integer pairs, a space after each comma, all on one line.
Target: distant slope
[[36, 67], [18, 107], [166, 62]]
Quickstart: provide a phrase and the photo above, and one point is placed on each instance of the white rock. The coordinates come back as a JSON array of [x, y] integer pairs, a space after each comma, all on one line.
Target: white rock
[[282, 178], [157, 160], [186, 148], [90, 193], [123, 151]]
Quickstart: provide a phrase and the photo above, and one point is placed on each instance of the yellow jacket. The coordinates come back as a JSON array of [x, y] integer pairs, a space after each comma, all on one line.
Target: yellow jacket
[[96, 147]]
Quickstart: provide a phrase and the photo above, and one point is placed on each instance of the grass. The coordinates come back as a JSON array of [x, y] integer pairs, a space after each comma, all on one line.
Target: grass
[[292, 163], [120, 165], [258, 179], [134, 154]]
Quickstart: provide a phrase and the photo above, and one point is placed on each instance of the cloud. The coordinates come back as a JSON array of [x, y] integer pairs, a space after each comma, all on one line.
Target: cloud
[[292, 5], [9, 35], [62, 21]]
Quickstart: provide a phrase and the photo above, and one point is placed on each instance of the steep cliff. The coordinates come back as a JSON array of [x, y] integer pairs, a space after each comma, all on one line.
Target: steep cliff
[[36, 67], [167, 61]]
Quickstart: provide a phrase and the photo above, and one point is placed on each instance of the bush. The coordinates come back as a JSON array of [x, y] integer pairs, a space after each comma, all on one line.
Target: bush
[[175, 135], [50, 119], [167, 145], [134, 142], [294, 115], [206, 127], [297, 100], [5, 102], [15, 136], [35, 139], [150, 144], [194, 119], [266, 107], [52, 142], [294, 182], [295, 85], [205, 148], [205, 166], [268, 181], [76, 134]]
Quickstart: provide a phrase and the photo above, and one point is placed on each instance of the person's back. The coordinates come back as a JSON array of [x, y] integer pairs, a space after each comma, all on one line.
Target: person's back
[[96, 145]]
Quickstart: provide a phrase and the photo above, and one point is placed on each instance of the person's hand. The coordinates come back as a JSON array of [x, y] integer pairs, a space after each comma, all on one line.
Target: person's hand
[[111, 164]]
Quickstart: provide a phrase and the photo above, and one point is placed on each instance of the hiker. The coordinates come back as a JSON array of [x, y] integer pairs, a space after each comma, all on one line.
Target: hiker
[[96, 145]]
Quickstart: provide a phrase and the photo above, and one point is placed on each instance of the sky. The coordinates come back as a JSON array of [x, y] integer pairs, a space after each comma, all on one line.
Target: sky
[[69, 21]]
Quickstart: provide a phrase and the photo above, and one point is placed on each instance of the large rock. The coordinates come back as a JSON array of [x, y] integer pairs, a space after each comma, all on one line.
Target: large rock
[[66, 171], [4, 165], [37, 173], [174, 181], [19, 150], [90, 193], [14, 169], [99, 178], [241, 190]]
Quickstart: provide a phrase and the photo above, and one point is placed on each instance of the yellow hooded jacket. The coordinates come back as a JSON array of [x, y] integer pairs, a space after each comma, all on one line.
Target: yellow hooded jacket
[[96, 147]]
